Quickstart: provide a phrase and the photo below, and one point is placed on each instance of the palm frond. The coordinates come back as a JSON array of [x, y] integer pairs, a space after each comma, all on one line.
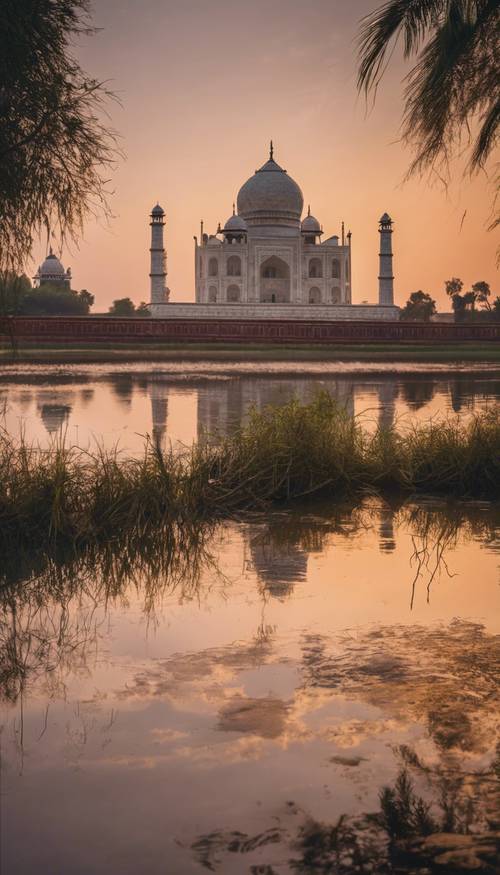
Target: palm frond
[[455, 83], [488, 135], [412, 18]]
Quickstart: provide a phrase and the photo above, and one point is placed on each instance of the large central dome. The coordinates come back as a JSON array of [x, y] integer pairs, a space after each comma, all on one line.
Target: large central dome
[[271, 199]]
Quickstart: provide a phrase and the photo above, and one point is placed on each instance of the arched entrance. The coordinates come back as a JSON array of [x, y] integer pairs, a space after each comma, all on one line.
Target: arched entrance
[[274, 281]]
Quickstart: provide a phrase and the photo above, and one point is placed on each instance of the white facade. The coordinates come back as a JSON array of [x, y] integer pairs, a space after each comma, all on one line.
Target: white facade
[[266, 255], [271, 263]]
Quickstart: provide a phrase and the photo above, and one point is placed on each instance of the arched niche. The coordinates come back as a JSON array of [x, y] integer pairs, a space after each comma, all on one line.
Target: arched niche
[[212, 295], [314, 295], [213, 267], [274, 281], [233, 266], [233, 294], [315, 268]]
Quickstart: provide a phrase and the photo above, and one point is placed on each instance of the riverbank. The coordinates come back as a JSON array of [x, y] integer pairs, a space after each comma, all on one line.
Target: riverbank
[[164, 352]]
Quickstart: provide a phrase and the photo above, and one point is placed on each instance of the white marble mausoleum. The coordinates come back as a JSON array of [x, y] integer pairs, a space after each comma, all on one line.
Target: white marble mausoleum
[[268, 261]]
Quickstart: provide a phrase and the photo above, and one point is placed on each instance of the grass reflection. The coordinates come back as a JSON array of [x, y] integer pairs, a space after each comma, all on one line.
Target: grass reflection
[[49, 601], [54, 624], [52, 605]]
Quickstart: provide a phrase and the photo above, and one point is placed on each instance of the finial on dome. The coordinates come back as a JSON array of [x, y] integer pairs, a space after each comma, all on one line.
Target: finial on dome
[[271, 151], [234, 209], [50, 250], [309, 209]]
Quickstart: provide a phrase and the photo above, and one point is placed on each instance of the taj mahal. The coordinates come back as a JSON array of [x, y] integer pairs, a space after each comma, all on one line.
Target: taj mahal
[[270, 262]]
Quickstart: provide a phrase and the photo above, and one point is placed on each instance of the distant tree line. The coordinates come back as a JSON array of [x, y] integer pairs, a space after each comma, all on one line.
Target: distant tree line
[[126, 307], [19, 298], [471, 306], [474, 305]]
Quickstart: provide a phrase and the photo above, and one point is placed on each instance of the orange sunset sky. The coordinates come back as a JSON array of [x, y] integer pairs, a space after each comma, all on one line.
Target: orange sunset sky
[[205, 85]]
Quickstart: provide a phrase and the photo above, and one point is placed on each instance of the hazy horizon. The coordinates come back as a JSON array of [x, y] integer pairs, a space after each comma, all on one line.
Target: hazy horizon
[[204, 87]]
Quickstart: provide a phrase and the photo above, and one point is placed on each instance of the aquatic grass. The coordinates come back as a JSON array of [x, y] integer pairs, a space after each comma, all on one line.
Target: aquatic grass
[[280, 455]]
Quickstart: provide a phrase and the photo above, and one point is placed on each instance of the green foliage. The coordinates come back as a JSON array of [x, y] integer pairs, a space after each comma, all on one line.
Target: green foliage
[[13, 290], [419, 307], [55, 149], [464, 305], [55, 300], [482, 292], [453, 287], [87, 297], [281, 454], [126, 307], [19, 298]]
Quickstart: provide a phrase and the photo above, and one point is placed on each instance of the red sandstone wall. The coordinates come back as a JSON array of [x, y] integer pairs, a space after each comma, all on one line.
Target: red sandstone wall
[[95, 329]]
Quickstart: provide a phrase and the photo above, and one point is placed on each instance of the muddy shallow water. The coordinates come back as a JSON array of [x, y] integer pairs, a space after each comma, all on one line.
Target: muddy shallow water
[[242, 709]]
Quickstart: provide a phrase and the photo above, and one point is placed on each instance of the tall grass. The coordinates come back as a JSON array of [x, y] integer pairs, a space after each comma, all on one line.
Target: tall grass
[[280, 455]]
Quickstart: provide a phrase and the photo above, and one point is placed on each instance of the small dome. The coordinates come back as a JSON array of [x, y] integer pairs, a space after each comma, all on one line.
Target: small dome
[[271, 197], [213, 241], [157, 211], [51, 267], [385, 219], [235, 223], [310, 225]]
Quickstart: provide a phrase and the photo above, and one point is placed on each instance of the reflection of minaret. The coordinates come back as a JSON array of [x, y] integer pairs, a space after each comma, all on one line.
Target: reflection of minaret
[[387, 516], [158, 392], [386, 530], [387, 394]]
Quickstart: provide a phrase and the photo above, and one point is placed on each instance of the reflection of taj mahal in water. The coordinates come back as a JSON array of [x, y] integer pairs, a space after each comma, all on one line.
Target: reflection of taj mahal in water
[[269, 262], [221, 404], [279, 559]]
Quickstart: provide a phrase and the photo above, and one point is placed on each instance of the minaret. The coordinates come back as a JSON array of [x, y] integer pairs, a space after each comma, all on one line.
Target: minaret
[[386, 277], [349, 290], [158, 273]]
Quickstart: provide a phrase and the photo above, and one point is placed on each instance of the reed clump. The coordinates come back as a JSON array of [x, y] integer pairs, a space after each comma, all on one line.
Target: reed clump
[[280, 455]]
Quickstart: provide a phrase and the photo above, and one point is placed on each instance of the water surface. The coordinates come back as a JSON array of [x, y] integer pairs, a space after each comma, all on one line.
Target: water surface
[[117, 404], [211, 712]]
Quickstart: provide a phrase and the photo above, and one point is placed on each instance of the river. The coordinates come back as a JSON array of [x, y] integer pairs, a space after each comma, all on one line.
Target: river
[[224, 710]]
